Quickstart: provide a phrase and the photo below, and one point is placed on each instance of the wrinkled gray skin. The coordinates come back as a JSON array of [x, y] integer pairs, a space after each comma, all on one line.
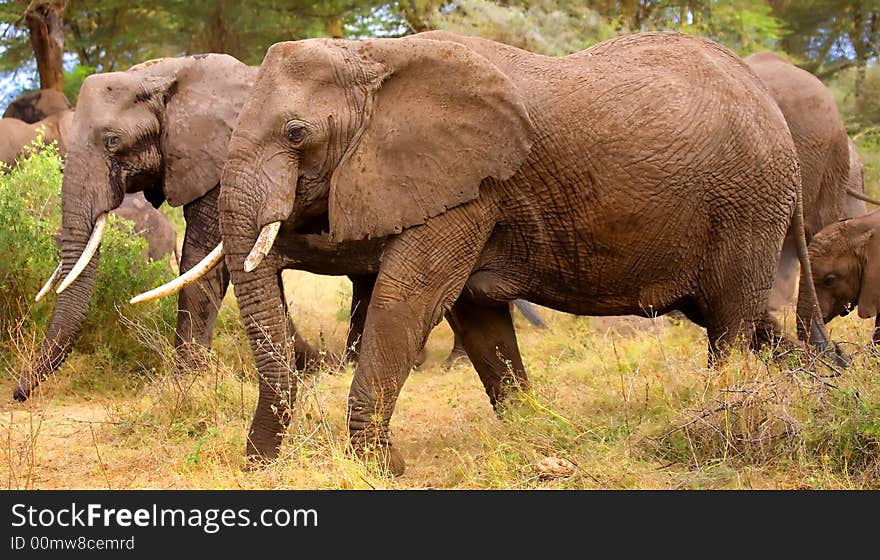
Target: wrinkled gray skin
[[650, 173], [829, 161], [846, 268], [151, 224], [36, 106], [856, 182]]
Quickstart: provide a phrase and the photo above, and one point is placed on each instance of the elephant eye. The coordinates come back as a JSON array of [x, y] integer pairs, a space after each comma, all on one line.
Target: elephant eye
[[295, 132], [828, 281], [111, 142]]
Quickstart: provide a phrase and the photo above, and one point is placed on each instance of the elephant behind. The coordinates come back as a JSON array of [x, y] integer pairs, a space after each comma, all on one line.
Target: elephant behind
[[855, 202], [16, 134], [151, 224], [160, 129], [829, 161], [36, 106], [650, 173]]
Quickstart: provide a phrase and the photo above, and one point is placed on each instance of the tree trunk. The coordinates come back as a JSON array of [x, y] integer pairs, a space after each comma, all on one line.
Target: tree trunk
[[335, 29], [861, 37], [221, 39], [47, 38]]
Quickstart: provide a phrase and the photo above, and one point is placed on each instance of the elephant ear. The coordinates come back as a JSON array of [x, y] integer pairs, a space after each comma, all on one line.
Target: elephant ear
[[201, 110], [439, 118], [869, 293]]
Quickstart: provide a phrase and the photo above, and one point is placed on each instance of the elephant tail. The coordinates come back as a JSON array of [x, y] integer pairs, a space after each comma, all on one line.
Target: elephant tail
[[863, 197], [530, 312], [810, 326]]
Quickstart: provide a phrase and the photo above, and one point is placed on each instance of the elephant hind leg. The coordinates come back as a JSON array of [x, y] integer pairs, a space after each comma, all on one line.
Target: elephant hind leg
[[199, 304], [486, 333], [733, 296]]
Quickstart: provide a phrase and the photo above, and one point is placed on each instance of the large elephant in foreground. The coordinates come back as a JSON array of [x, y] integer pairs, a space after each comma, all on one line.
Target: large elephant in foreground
[[831, 171], [649, 173]]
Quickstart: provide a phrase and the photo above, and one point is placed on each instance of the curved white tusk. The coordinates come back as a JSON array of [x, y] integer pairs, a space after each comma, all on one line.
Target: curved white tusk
[[49, 283], [262, 246], [87, 254], [191, 276]]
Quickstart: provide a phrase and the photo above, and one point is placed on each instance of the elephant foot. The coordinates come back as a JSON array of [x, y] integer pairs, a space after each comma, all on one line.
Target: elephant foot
[[262, 447], [458, 355], [386, 458], [420, 358]]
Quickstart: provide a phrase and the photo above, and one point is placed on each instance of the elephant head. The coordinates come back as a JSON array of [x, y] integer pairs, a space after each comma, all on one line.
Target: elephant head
[[845, 259], [360, 132], [366, 137], [36, 106], [161, 128]]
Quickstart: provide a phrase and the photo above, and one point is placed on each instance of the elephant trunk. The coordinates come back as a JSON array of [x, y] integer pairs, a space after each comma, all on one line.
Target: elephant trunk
[[77, 228], [261, 302]]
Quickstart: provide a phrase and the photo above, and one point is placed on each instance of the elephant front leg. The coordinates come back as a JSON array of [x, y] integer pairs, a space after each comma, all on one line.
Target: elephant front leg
[[264, 313], [199, 304], [486, 333], [422, 274]]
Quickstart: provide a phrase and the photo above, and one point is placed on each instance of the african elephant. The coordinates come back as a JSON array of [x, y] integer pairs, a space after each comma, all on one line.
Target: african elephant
[[649, 173], [846, 268], [16, 134], [830, 164], [37, 105], [160, 128]]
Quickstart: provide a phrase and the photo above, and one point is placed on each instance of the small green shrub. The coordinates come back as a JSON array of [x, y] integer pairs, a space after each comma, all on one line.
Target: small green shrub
[[30, 217]]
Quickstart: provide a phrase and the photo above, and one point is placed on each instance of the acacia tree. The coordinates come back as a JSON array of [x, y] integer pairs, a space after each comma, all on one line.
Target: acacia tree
[[47, 38]]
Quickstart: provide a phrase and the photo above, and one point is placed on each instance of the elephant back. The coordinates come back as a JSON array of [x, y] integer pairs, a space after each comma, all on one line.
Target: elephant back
[[819, 136]]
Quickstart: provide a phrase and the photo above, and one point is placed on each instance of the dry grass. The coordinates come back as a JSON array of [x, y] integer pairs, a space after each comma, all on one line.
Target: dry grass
[[617, 403]]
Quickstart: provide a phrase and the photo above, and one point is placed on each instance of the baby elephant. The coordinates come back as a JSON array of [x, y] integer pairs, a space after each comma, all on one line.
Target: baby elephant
[[845, 259]]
